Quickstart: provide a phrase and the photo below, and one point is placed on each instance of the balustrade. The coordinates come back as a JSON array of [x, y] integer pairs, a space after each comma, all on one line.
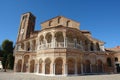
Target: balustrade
[[59, 45]]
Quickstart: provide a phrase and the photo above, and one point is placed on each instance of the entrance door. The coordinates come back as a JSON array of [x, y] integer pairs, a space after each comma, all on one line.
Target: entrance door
[[118, 68]]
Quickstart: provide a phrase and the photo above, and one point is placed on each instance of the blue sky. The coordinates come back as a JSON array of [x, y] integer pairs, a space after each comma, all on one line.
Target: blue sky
[[101, 17]]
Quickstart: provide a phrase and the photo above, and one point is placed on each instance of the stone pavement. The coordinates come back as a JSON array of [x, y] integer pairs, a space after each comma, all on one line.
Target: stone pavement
[[28, 76]]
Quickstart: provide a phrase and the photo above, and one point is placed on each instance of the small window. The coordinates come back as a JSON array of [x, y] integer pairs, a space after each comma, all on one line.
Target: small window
[[28, 49], [68, 23], [59, 20], [92, 47], [97, 46], [50, 23], [116, 59], [109, 62], [24, 17]]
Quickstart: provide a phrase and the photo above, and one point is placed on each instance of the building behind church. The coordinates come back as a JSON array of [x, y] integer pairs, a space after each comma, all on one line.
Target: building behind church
[[61, 48]]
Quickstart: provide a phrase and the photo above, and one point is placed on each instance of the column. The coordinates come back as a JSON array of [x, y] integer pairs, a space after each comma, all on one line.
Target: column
[[65, 69], [97, 67], [65, 39], [81, 45], [76, 68], [28, 65], [44, 41], [37, 68], [102, 68], [65, 42], [37, 44], [85, 69], [31, 46], [22, 65], [15, 66], [81, 68], [25, 46], [91, 68], [53, 40], [43, 68], [75, 43], [94, 47], [89, 47], [54, 69]]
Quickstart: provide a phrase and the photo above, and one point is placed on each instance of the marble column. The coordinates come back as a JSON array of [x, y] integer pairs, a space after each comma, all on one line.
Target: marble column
[[75, 68], [54, 69], [31, 46], [65, 39], [102, 68], [90, 68], [65, 69], [53, 40], [81, 68], [37, 68], [43, 68], [22, 65]]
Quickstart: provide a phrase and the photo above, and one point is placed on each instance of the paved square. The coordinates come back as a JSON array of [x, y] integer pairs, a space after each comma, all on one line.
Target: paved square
[[28, 76]]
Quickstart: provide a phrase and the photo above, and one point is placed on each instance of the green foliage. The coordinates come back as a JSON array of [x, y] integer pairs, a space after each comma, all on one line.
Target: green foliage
[[7, 51], [10, 61], [4, 60], [7, 46], [1, 55]]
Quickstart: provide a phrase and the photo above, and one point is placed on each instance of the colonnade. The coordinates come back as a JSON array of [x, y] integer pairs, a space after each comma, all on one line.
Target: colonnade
[[58, 67]]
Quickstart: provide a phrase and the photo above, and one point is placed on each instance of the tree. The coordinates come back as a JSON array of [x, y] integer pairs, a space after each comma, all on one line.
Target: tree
[[1, 55], [7, 49]]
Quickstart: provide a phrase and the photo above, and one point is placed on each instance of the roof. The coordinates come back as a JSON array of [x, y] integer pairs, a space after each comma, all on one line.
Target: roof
[[115, 49], [85, 31], [58, 17]]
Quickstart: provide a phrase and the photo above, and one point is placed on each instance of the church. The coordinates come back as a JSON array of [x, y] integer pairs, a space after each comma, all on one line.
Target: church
[[61, 48]]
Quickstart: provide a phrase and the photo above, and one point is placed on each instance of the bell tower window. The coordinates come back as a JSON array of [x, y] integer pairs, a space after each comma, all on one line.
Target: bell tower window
[[68, 23], [50, 23]]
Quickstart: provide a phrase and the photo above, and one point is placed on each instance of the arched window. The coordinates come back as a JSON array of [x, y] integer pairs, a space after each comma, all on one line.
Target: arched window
[[116, 59], [22, 46], [92, 47], [50, 23], [28, 46], [109, 63], [68, 23], [97, 47], [59, 19]]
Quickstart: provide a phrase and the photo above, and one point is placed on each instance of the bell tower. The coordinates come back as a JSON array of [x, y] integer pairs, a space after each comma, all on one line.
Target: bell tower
[[27, 25]]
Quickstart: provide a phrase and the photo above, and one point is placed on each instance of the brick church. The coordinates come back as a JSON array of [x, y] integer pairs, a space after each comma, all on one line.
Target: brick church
[[61, 48]]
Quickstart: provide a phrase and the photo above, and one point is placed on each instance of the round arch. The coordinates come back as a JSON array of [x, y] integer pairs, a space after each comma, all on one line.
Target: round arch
[[34, 44], [41, 39], [25, 65], [32, 65], [109, 62], [71, 65], [59, 36], [58, 65], [22, 46], [48, 37], [70, 36], [78, 66], [19, 65], [28, 46], [47, 65], [87, 66], [99, 66], [40, 65]]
